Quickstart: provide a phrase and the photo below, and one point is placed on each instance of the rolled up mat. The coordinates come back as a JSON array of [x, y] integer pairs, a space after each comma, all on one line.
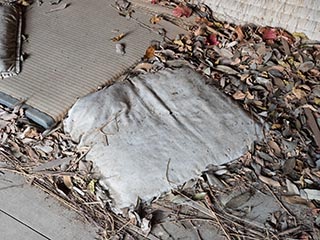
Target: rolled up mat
[[10, 39]]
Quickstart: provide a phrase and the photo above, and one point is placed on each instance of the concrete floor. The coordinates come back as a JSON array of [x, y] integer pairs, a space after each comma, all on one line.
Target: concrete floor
[[27, 213]]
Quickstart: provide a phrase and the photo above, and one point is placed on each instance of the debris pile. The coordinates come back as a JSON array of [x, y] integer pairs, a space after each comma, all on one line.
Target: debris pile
[[275, 76]]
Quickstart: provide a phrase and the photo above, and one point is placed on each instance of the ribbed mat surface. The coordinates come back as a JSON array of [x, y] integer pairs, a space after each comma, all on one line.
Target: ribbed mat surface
[[293, 15], [71, 53]]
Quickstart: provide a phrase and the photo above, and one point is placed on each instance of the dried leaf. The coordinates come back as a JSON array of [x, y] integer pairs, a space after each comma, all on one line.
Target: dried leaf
[[29, 133], [310, 107], [300, 74], [182, 11], [292, 188], [199, 196], [149, 52], [263, 81], [223, 52], [238, 95], [221, 172], [312, 123], [226, 69], [144, 66], [118, 38], [275, 147], [24, 3], [300, 35], [317, 221], [55, 2], [52, 164], [155, 19], [239, 32], [84, 166], [179, 42], [8, 116], [134, 218], [207, 71], [123, 5], [265, 156], [3, 124], [249, 95], [289, 165], [15, 149], [43, 148], [299, 93], [304, 87], [231, 44], [298, 200], [31, 153], [145, 226], [59, 8], [91, 186], [286, 47], [269, 181], [306, 66], [239, 200], [200, 31], [67, 181], [203, 21], [276, 126]]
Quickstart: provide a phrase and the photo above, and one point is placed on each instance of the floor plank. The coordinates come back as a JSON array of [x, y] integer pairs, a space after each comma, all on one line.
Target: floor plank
[[28, 213]]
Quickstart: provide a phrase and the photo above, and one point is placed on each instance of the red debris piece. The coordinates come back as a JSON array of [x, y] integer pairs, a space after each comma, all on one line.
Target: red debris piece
[[270, 34], [212, 40], [182, 11]]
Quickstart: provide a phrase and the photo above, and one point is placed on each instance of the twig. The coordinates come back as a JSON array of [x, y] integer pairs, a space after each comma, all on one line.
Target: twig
[[123, 226], [92, 203], [267, 231], [241, 225], [234, 217], [78, 159], [128, 225], [209, 204], [282, 205], [196, 229], [205, 212], [241, 236], [288, 231], [167, 172]]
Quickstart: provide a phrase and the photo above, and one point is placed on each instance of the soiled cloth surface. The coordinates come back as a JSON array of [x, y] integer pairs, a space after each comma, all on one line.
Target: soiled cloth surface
[[156, 131], [10, 39]]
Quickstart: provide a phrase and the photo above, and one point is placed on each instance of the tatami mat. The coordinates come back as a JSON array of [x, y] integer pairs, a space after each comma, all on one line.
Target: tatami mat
[[70, 54]]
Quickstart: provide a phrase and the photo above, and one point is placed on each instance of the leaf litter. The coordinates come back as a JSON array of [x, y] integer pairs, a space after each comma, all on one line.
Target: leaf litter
[[273, 74]]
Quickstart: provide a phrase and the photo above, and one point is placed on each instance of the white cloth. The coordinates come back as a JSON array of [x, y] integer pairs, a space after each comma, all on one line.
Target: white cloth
[[158, 130]]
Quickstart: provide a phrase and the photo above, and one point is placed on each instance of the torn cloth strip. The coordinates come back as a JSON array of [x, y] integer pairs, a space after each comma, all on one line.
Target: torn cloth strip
[[10, 39]]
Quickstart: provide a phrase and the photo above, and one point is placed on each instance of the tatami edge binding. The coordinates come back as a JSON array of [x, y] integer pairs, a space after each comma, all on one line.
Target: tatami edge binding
[[34, 114]]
